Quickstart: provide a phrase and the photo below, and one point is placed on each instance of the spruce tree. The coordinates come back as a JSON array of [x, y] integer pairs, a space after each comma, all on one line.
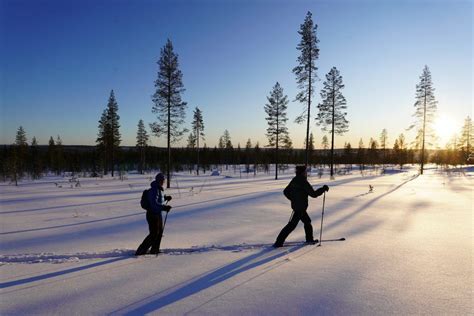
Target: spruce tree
[[101, 141], [348, 153], [383, 144], [108, 137], [191, 143], [112, 131], [305, 71], [228, 148], [35, 160], [198, 131], [248, 153], [256, 158], [51, 154], [425, 110], [399, 149], [59, 167], [372, 152], [361, 155], [331, 115], [168, 105], [325, 143], [142, 144], [277, 132], [19, 155]]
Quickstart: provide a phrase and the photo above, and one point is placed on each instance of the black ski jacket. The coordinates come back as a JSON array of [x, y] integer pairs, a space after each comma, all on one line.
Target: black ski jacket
[[298, 191]]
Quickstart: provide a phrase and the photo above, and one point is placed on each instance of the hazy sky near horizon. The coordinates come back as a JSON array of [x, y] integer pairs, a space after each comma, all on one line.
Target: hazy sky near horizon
[[60, 59]]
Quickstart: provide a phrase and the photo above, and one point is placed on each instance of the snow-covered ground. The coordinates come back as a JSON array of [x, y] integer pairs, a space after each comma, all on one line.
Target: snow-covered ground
[[408, 249]]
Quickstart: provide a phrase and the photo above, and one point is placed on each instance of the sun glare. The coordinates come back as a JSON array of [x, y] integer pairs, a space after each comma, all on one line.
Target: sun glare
[[445, 128]]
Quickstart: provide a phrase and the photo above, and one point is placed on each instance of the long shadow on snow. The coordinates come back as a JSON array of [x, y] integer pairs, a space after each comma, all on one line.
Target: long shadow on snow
[[55, 274], [65, 196], [127, 226], [175, 215], [369, 203], [65, 206], [170, 296]]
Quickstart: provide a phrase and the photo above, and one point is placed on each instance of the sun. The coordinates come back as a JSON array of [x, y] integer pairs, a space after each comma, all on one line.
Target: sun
[[445, 128]]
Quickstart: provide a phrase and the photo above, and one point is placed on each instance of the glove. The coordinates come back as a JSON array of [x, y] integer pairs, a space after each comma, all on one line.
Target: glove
[[325, 188], [168, 198], [166, 208]]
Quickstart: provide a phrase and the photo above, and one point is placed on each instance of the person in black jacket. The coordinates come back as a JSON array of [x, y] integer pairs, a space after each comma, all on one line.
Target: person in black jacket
[[297, 192], [156, 204]]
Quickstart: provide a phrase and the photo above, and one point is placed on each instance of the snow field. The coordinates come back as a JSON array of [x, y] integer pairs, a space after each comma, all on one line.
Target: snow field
[[408, 248]]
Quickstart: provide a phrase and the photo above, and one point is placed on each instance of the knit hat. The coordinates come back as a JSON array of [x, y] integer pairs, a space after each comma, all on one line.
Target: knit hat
[[300, 170]]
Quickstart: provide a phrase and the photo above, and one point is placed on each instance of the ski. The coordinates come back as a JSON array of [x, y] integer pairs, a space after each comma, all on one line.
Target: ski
[[303, 243]]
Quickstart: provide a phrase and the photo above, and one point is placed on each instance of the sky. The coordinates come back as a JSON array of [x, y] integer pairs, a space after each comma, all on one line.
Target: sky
[[59, 60]]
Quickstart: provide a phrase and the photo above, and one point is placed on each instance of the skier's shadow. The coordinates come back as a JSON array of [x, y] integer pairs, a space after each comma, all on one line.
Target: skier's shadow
[[202, 282]]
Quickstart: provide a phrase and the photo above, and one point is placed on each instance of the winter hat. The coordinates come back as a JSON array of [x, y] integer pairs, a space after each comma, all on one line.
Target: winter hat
[[160, 177], [300, 169]]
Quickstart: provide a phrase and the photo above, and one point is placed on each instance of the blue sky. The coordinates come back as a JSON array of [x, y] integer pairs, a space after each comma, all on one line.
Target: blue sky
[[60, 59]]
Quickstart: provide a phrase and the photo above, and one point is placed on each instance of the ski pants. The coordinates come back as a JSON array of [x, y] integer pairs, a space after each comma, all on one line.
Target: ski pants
[[294, 220], [153, 240]]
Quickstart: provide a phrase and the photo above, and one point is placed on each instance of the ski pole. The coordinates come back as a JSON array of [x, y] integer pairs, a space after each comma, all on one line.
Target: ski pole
[[162, 230], [164, 224], [322, 216]]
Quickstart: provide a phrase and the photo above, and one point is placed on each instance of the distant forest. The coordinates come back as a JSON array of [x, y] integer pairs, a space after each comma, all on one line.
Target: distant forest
[[35, 161]]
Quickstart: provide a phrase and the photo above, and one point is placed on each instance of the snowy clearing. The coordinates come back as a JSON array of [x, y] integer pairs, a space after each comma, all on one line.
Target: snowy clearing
[[408, 248]]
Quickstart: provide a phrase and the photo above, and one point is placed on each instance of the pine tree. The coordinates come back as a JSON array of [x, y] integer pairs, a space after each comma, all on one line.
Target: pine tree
[[168, 105], [277, 132], [467, 134], [142, 144], [198, 131], [305, 71], [383, 143], [331, 116], [426, 106]]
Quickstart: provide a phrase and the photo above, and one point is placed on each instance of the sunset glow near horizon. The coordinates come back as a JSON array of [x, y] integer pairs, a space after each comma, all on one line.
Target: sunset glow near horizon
[[59, 62]]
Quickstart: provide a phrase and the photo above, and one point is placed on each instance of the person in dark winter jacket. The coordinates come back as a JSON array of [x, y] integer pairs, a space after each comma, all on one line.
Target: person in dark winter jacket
[[156, 199], [297, 192]]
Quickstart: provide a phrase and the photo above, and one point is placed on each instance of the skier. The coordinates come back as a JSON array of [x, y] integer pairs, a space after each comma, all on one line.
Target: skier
[[297, 192], [155, 201]]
